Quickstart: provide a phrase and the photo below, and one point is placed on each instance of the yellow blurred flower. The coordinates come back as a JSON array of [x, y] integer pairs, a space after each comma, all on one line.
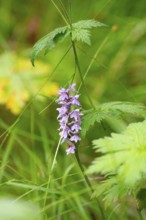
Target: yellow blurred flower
[[19, 81], [51, 89]]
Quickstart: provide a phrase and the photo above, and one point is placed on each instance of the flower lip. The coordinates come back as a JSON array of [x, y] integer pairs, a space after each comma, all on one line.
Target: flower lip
[[75, 113], [75, 138], [70, 150], [62, 97], [62, 90], [72, 87], [75, 127], [74, 100]]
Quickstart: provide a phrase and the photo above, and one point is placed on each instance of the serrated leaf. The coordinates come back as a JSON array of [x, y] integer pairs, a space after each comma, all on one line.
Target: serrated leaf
[[123, 162], [89, 118], [114, 109], [109, 191], [48, 42], [81, 35], [79, 32], [88, 24]]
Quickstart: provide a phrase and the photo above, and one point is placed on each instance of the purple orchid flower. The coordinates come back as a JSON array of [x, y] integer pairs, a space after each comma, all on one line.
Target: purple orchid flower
[[69, 117]]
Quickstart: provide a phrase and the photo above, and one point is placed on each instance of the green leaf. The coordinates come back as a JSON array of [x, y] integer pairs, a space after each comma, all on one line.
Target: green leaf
[[81, 35], [123, 162], [89, 118], [109, 191], [88, 24], [111, 109], [48, 42], [79, 32]]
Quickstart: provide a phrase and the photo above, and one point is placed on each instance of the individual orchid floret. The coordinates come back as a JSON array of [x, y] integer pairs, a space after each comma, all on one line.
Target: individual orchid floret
[[71, 148], [74, 100], [69, 117], [75, 127], [75, 138]]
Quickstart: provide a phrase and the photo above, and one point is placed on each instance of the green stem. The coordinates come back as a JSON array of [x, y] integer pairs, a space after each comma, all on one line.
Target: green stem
[[6, 156], [88, 182], [63, 17], [140, 215], [95, 56], [65, 12], [52, 167], [79, 70]]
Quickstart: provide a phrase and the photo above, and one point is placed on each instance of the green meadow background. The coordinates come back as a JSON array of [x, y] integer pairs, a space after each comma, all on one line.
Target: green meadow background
[[28, 116]]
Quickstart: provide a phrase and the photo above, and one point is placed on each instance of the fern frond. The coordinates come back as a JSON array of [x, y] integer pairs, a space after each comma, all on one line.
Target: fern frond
[[123, 162], [111, 109]]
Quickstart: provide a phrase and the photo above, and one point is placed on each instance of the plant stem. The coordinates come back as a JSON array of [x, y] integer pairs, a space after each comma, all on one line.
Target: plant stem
[[76, 152], [79, 70], [64, 12], [63, 17], [51, 170], [88, 182], [95, 56], [140, 215]]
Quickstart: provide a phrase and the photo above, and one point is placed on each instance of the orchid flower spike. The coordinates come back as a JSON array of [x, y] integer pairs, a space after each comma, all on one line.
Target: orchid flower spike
[[69, 117]]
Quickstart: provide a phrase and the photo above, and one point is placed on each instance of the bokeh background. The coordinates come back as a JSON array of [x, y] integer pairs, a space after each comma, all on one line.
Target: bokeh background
[[117, 74]]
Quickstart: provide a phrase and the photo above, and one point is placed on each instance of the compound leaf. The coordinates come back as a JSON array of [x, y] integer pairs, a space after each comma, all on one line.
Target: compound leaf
[[88, 24], [79, 32], [122, 162], [111, 109], [48, 42]]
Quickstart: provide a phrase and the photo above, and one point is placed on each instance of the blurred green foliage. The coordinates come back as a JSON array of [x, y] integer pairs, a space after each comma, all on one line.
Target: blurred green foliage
[[117, 74], [18, 210]]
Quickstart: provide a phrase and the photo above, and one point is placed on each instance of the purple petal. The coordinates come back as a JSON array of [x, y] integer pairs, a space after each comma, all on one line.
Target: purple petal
[[63, 96], [74, 100], [72, 87], [62, 90], [64, 103], [63, 134], [65, 131], [70, 150], [75, 113], [75, 138], [63, 120], [63, 110], [75, 127]]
